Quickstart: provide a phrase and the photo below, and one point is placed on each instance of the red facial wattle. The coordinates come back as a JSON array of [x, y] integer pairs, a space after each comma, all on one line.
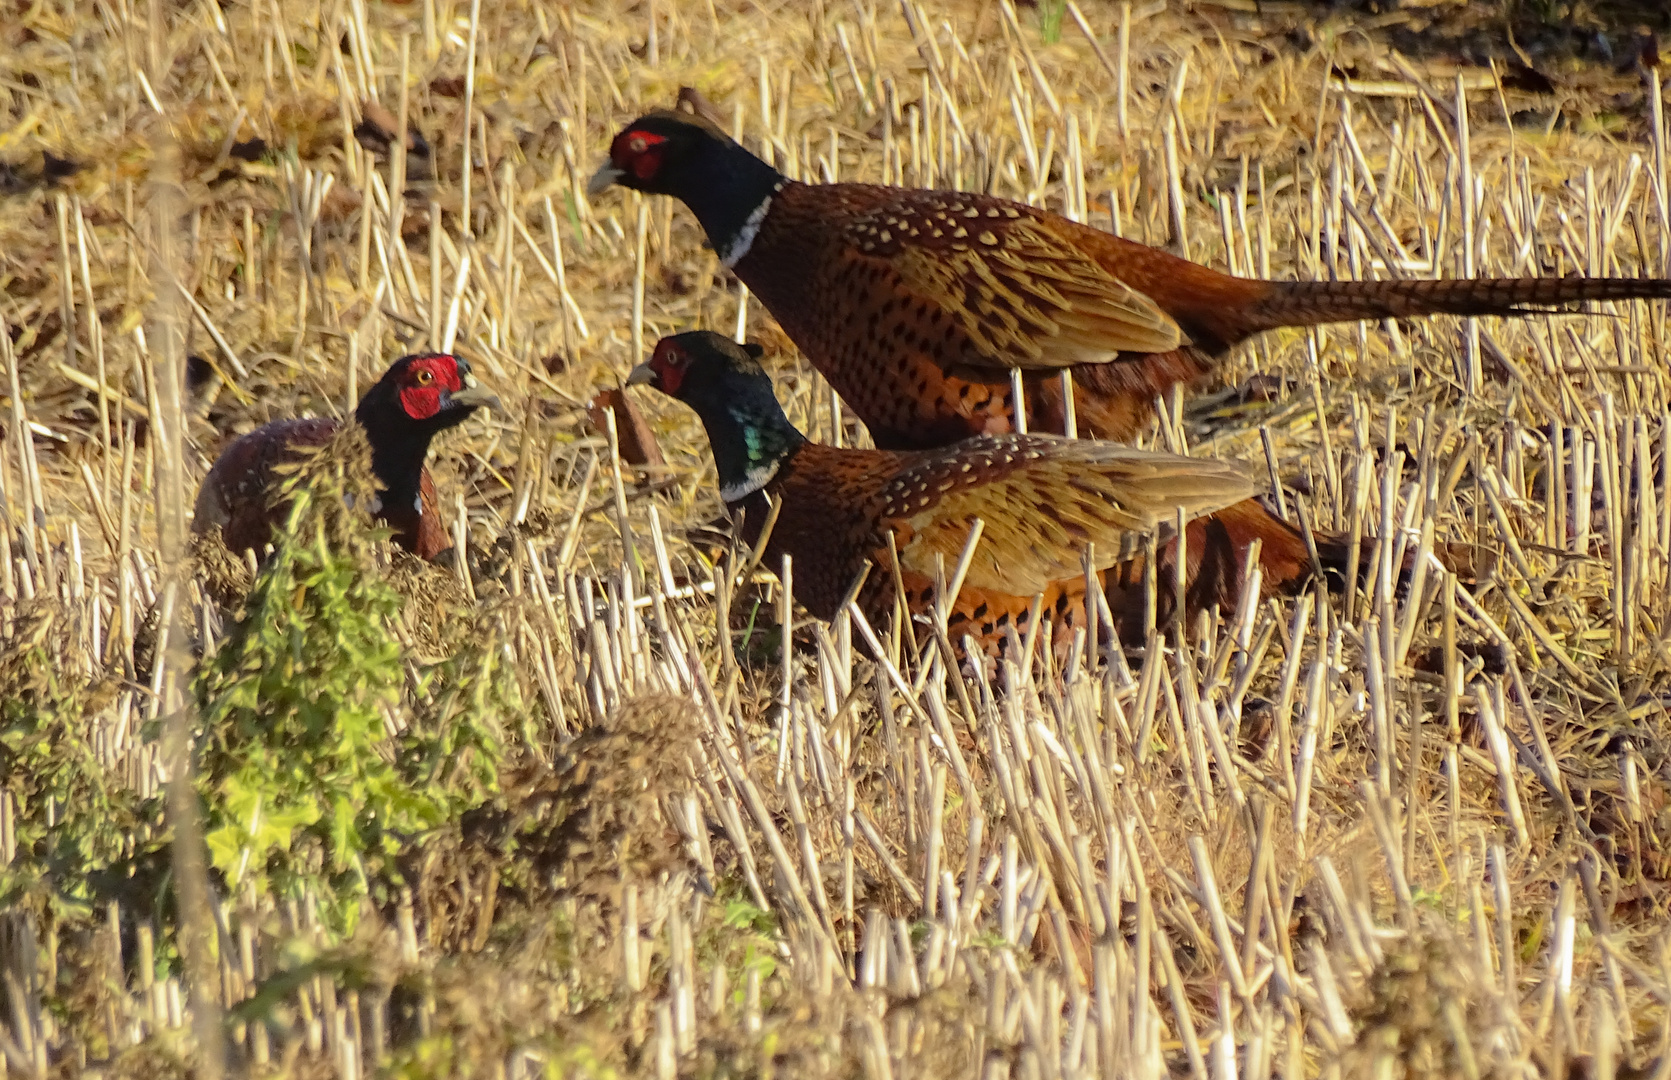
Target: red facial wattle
[[646, 165], [669, 366], [638, 152], [421, 402], [425, 382], [671, 375]]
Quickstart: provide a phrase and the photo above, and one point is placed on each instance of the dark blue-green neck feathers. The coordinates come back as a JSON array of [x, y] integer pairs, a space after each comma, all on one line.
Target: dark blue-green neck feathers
[[731, 392], [750, 443]]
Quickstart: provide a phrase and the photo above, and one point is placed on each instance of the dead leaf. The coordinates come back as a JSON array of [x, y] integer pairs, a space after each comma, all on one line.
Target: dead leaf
[[638, 443]]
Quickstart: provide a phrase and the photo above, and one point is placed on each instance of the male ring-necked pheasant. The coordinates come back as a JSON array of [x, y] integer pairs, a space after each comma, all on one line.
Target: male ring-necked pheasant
[[916, 304], [1042, 498], [416, 399]]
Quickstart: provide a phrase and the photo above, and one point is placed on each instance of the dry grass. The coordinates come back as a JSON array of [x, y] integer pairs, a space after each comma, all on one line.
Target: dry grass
[[1275, 847]]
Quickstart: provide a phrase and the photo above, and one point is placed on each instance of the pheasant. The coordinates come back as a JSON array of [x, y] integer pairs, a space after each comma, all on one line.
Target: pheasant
[[1042, 499], [916, 305], [418, 397]]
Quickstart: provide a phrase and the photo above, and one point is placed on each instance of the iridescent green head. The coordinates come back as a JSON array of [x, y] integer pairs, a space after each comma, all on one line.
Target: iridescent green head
[[724, 382]]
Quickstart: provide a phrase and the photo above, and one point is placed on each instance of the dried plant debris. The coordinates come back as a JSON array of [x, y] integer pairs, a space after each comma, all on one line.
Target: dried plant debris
[[601, 810], [599, 816], [42, 170], [376, 132], [567, 807], [637, 442], [224, 576], [1428, 1011]]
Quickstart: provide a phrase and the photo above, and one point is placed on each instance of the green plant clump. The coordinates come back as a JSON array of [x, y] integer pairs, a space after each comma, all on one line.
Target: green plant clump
[[311, 782], [82, 835]]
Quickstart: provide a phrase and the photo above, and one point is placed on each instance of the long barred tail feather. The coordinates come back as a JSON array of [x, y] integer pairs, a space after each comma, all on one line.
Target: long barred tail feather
[[1311, 303]]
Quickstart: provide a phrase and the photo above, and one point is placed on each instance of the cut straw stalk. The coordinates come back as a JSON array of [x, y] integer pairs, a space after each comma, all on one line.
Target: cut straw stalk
[[1398, 203]]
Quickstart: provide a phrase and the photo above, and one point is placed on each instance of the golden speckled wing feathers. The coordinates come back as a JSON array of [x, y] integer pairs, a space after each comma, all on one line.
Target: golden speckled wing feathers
[[1024, 296], [1043, 499]]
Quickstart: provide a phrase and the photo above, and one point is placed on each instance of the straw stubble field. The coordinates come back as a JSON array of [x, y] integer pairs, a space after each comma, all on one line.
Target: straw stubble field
[[540, 816]]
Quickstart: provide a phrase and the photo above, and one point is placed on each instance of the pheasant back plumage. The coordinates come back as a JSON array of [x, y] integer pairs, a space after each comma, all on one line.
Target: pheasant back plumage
[[838, 508], [915, 305], [1042, 501], [239, 493]]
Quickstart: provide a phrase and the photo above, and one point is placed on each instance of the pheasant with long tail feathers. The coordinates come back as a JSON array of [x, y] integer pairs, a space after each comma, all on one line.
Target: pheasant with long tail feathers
[[916, 305]]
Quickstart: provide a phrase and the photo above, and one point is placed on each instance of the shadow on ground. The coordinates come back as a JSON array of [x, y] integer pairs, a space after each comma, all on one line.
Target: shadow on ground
[[1551, 36]]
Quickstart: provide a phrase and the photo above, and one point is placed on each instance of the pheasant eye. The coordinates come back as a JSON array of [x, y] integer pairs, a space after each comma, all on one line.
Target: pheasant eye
[[425, 377], [637, 144]]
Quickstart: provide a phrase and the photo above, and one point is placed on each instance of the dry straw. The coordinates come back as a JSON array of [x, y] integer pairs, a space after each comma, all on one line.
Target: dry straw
[[1312, 835]]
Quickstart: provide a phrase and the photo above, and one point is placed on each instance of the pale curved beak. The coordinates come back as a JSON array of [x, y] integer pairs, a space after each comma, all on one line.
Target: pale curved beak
[[473, 396], [601, 180], [642, 375]]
